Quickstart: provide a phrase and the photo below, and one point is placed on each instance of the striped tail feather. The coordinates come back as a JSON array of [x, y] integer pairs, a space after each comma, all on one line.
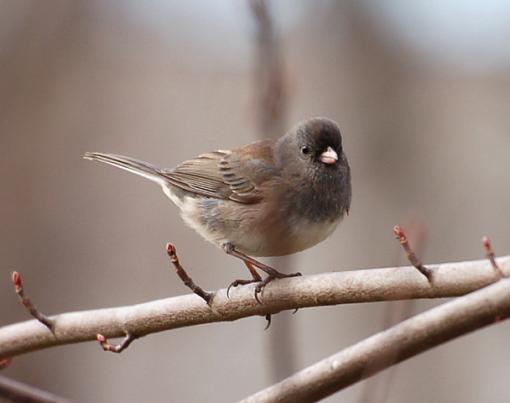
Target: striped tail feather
[[129, 164]]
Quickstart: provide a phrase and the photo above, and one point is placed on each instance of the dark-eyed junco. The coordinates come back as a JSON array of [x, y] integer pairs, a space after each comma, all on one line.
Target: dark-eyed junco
[[264, 199]]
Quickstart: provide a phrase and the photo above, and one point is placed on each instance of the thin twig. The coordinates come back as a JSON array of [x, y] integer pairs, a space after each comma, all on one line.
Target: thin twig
[[411, 256], [188, 282], [115, 348], [407, 339], [15, 391], [27, 303], [450, 279], [491, 256]]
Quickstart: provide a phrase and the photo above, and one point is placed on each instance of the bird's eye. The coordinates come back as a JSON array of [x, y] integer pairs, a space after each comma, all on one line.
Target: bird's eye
[[305, 150]]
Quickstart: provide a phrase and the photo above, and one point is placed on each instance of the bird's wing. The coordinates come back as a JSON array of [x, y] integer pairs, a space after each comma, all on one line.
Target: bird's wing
[[235, 175]]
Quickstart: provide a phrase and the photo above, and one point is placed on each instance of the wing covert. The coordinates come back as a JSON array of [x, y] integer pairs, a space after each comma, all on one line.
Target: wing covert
[[220, 174]]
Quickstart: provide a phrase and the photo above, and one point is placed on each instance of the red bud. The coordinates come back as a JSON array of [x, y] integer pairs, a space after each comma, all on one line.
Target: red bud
[[16, 280], [170, 249], [399, 233]]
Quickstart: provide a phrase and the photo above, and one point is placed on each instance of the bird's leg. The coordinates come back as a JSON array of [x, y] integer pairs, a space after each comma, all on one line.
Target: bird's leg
[[271, 273], [231, 250], [253, 271]]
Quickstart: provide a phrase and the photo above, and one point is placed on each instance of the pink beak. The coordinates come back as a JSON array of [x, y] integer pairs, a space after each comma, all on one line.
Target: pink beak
[[329, 156]]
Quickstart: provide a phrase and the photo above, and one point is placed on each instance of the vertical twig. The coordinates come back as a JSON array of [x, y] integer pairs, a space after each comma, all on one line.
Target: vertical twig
[[411, 256], [492, 257], [185, 278]]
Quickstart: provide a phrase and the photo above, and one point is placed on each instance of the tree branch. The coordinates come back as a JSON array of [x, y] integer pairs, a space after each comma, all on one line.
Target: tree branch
[[407, 339], [450, 279]]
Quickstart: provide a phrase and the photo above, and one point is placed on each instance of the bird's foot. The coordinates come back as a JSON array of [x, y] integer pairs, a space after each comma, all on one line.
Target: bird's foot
[[270, 277], [252, 265], [260, 283]]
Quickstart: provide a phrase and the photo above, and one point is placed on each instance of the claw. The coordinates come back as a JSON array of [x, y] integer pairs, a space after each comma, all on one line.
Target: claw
[[258, 290], [268, 318], [235, 283]]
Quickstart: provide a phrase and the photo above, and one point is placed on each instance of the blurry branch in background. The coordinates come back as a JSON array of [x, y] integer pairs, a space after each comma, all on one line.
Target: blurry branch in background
[[397, 283], [15, 391], [398, 343], [271, 97], [269, 73]]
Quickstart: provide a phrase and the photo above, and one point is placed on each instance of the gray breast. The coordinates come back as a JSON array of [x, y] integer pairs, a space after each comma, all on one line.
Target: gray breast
[[326, 198]]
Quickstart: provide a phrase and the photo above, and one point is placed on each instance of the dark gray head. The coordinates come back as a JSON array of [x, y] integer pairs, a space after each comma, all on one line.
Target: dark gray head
[[312, 153], [314, 144]]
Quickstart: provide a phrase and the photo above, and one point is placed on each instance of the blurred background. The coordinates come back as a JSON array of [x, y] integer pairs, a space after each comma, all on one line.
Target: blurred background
[[421, 91]]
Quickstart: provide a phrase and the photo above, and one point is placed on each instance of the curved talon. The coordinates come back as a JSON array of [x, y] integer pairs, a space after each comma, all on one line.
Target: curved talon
[[268, 318], [236, 283], [258, 290]]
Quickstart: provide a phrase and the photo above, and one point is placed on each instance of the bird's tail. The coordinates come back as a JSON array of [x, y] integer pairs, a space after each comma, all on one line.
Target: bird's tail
[[135, 166]]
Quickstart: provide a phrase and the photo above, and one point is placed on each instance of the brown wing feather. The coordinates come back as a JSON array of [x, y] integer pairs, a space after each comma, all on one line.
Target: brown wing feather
[[225, 174]]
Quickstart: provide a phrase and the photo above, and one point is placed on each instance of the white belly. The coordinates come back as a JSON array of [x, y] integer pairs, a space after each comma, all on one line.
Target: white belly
[[253, 238], [307, 234]]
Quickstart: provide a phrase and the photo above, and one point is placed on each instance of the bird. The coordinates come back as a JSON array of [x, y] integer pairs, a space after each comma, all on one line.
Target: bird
[[267, 198]]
